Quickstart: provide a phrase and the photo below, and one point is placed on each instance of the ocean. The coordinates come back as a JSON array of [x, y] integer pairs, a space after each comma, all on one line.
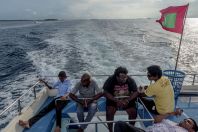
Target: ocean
[[40, 49]]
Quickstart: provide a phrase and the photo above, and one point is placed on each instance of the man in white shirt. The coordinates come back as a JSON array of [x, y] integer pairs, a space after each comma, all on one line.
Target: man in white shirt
[[187, 125], [64, 87]]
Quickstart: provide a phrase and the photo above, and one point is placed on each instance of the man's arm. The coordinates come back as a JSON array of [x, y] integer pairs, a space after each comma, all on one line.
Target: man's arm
[[133, 96], [75, 98], [65, 96], [159, 118], [107, 86], [110, 97], [45, 83], [97, 96], [133, 89]]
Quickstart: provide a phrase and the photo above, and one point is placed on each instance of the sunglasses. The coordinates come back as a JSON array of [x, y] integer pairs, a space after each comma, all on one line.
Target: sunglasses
[[148, 75]]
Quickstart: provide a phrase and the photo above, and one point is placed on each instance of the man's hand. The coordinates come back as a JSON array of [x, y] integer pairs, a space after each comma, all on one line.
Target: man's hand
[[178, 112], [63, 98], [89, 101], [158, 118], [83, 102], [45, 83], [125, 102], [41, 80], [141, 89], [119, 103]]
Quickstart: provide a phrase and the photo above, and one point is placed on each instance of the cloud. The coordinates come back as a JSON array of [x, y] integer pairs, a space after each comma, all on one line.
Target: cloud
[[85, 9]]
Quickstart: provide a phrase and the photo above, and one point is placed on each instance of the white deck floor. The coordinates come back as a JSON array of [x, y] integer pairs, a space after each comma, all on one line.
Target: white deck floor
[[91, 127]]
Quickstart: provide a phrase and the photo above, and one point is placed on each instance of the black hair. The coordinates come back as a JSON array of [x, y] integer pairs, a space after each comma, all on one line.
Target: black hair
[[62, 74], [195, 127], [120, 70], [155, 70]]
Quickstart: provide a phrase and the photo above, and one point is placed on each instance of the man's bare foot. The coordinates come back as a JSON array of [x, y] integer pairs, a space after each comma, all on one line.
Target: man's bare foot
[[24, 124], [57, 129]]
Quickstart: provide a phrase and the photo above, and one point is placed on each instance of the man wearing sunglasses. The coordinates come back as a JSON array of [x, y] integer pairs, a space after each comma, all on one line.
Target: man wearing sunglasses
[[89, 92], [187, 125], [162, 92], [121, 92]]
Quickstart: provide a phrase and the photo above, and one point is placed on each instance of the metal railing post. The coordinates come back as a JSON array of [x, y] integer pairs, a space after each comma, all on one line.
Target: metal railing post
[[19, 106], [193, 79], [34, 90], [96, 127], [189, 102]]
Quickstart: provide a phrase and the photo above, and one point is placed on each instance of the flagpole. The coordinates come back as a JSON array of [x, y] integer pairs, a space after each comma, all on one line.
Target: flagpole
[[181, 40]]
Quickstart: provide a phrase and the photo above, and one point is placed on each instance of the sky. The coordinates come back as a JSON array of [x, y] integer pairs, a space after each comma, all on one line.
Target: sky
[[89, 9]]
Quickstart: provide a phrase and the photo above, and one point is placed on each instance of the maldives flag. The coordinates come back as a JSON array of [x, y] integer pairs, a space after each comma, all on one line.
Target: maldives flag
[[172, 18]]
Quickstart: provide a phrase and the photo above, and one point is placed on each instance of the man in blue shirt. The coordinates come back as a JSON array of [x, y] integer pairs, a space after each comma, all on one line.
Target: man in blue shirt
[[59, 102]]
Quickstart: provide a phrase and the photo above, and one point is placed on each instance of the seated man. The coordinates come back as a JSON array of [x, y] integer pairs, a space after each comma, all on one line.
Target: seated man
[[161, 90], [64, 87], [117, 85], [87, 88], [187, 125]]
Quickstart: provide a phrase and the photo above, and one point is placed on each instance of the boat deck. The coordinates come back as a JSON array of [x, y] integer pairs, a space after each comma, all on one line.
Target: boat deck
[[188, 101], [47, 123]]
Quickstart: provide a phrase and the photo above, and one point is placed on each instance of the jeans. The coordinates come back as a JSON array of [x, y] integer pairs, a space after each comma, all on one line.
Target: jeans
[[92, 108]]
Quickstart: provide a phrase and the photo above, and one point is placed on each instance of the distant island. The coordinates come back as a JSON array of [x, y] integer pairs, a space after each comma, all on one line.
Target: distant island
[[50, 19], [33, 20]]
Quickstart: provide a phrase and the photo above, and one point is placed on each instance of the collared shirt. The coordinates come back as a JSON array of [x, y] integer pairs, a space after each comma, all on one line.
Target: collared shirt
[[163, 93], [86, 92], [63, 87], [165, 126]]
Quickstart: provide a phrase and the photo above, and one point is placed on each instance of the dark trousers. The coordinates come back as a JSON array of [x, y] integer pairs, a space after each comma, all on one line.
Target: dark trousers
[[111, 110], [58, 104], [150, 105], [125, 127]]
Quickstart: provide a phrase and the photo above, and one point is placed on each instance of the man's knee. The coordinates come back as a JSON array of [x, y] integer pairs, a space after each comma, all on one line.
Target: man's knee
[[119, 126], [93, 106], [110, 109], [131, 110]]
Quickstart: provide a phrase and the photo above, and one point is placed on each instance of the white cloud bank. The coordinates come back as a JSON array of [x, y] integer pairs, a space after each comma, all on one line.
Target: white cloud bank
[[89, 9]]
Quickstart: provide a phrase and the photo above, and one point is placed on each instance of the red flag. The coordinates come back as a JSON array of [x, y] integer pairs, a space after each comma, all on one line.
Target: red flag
[[172, 18]]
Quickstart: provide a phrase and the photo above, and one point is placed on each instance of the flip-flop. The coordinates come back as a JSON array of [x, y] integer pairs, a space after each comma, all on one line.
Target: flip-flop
[[23, 124]]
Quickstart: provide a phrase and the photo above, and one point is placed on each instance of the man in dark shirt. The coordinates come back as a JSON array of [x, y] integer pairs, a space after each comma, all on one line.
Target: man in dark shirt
[[121, 92]]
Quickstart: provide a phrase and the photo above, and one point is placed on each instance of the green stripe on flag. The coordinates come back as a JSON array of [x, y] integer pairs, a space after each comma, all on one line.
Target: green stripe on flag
[[169, 20]]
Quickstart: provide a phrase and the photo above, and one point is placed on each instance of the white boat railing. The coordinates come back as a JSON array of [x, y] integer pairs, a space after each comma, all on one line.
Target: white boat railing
[[18, 100], [193, 75]]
